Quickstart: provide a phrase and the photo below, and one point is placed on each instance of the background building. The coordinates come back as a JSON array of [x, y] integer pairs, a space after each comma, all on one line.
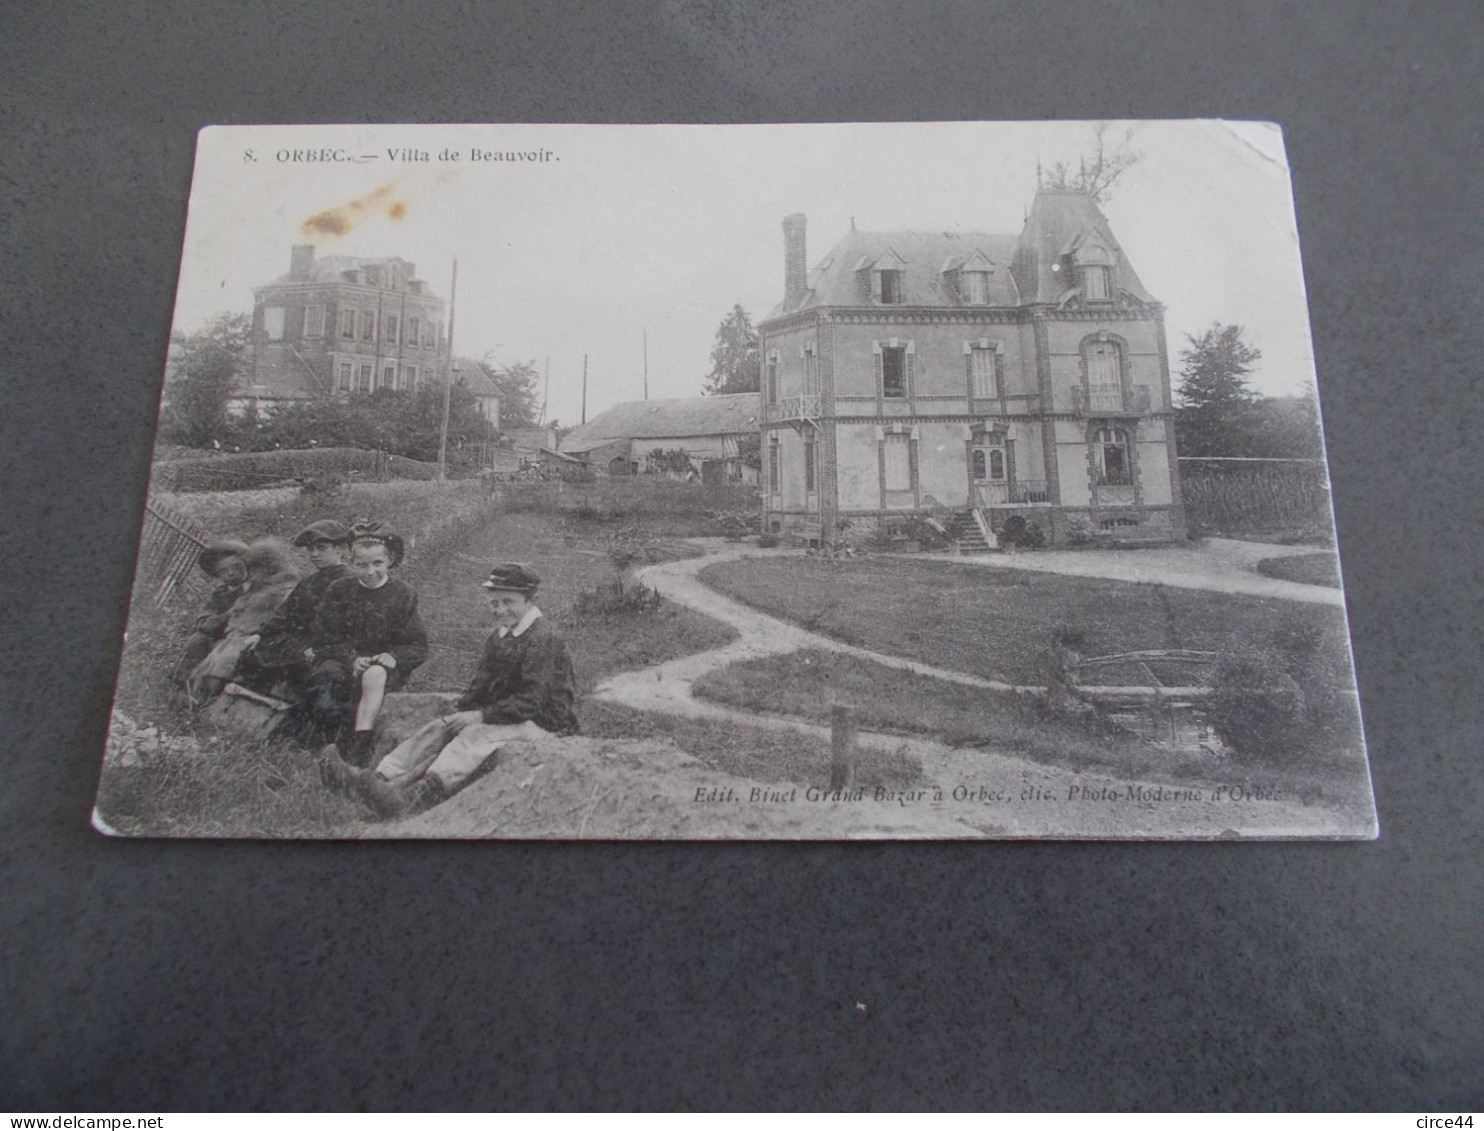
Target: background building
[[713, 431], [340, 325], [972, 377]]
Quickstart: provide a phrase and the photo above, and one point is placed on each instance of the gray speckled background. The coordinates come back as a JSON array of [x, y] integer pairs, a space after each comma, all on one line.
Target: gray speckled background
[[159, 976]]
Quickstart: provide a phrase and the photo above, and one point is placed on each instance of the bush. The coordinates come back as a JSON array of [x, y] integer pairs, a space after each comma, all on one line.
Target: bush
[[1257, 709], [767, 541], [1018, 531], [617, 599]]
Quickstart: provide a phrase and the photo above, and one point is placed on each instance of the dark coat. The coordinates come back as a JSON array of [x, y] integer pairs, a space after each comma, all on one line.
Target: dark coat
[[525, 677], [289, 633], [356, 621]]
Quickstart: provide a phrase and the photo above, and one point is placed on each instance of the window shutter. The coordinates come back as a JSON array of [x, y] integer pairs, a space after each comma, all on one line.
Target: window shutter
[[969, 369], [880, 376], [999, 373], [910, 365], [875, 286]]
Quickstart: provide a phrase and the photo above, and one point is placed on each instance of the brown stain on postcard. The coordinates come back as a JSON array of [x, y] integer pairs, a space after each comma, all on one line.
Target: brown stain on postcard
[[335, 222]]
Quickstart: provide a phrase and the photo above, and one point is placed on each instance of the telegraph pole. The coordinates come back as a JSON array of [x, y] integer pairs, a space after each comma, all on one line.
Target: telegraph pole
[[584, 388], [546, 390], [453, 299], [646, 363]]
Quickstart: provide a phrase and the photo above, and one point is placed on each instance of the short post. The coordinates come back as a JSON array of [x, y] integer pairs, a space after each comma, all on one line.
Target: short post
[[842, 746]]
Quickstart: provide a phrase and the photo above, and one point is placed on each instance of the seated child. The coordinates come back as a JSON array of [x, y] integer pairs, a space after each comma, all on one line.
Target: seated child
[[270, 577], [224, 562], [366, 640], [278, 659], [523, 688]]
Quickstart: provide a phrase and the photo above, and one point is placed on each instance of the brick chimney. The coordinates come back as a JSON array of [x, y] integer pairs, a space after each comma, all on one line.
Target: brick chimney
[[301, 261], [795, 261]]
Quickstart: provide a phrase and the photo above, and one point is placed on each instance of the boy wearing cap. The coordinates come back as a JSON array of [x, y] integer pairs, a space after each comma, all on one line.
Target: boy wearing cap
[[366, 640], [523, 688], [279, 653]]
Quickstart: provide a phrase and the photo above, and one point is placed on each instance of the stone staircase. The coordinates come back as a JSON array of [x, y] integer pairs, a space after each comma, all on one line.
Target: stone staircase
[[965, 531]]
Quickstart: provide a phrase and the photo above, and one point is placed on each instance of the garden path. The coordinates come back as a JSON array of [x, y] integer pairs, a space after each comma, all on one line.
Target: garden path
[[1007, 796], [1220, 565]]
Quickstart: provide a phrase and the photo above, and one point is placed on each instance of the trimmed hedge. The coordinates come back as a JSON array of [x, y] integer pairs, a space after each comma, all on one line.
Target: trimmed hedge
[[247, 471]]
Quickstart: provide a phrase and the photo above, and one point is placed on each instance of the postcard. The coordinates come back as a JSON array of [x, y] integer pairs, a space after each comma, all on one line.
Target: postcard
[[805, 482]]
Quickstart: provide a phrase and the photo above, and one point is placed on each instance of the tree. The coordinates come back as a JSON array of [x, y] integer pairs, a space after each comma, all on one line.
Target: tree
[[734, 357], [199, 376], [1096, 171], [521, 386], [1216, 416]]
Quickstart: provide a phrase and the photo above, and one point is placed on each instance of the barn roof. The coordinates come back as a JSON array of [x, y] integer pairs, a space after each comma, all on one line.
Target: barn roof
[[663, 419]]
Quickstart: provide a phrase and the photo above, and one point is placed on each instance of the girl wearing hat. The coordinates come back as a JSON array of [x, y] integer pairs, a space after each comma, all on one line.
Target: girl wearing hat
[[270, 577], [523, 688], [366, 640], [223, 562]]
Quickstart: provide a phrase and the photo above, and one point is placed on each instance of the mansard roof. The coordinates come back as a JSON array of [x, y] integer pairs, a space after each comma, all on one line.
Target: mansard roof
[[1064, 228], [920, 256]]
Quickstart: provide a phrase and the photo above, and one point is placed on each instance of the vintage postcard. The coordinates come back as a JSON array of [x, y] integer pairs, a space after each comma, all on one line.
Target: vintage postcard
[[807, 482]]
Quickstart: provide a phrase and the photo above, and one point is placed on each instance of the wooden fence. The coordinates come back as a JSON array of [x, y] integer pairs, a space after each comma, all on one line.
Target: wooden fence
[[168, 550]]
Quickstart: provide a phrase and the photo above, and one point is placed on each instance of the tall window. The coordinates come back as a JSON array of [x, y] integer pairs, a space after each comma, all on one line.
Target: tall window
[[389, 376], [898, 455], [809, 464], [893, 371], [811, 371], [414, 378], [314, 320], [348, 324], [273, 323], [368, 326], [772, 380], [343, 379], [1103, 366], [391, 330], [974, 287], [1110, 447], [430, 339], [363, 379], [981, 365], [1095, 283], [414, 325], [775, 465]]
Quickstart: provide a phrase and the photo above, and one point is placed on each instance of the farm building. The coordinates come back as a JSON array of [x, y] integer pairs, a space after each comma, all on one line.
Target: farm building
[[712, 431], [970, 377]]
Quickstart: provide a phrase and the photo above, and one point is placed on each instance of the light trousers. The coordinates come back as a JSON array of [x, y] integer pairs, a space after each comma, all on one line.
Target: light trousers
[[440, 749]]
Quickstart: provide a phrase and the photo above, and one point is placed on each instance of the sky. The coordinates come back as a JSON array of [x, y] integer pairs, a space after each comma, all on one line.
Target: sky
[[605, 235]]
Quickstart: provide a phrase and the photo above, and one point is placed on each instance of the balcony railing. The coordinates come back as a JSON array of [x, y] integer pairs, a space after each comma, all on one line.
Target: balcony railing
[[803, 407], [1029, 491], [1023, 492], [1110, 400]]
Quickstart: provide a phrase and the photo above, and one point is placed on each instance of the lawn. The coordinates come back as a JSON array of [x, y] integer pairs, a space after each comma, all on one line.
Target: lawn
[[999, 623], [807, 682], [1306, 569]]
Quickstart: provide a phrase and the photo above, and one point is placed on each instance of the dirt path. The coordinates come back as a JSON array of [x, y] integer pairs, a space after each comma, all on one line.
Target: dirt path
[[995, 793]]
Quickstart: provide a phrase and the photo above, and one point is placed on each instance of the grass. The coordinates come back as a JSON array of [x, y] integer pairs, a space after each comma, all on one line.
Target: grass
[[181, 787], [998, 623], [1306, 569], [759, 753], [806, 683]]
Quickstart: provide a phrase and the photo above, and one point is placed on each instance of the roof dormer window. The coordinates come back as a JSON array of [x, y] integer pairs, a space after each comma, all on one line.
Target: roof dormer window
[[1094, 265], [888, 287], [974, 287]]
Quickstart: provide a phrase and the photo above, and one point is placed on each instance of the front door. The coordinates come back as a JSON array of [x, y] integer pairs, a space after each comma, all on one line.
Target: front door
[[989, 473]]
